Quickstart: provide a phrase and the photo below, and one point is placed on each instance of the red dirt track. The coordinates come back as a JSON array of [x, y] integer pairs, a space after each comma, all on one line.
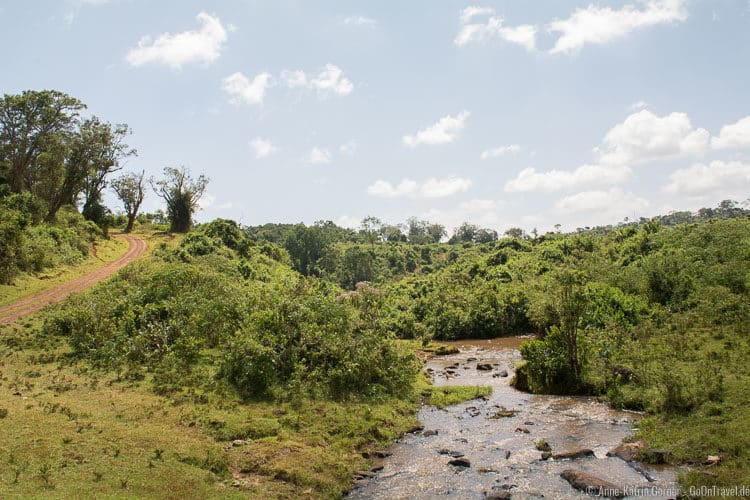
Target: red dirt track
[[12, 312]]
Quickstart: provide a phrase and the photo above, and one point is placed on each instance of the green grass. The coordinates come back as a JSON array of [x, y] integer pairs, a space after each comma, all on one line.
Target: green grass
[[26, 284], [70, 430], [446, 395]]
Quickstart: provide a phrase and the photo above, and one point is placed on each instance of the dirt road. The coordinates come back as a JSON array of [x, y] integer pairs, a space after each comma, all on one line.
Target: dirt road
[[39, 301]]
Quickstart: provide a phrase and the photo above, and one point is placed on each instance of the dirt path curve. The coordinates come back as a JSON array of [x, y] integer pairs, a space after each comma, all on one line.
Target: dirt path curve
[[41, 300]]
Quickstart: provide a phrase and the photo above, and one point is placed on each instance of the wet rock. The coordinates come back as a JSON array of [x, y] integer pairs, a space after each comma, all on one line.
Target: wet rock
[[473, 411], [452, 453], [430, 432], [507, 455], [546, 455], [504, 413], [376, 454], [460, 462], [486, 470], [471, 359], [591, 484], [503, 373], [523, 429], [543, 445], [498, 495], [415, 429], [484, 367], [445, 350], [377, 468], [363, 474], [528, 423], [627, 451], [461, 440], [573, 455]]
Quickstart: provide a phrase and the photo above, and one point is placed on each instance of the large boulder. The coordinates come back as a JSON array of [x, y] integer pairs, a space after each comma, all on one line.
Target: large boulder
[[591, 485]]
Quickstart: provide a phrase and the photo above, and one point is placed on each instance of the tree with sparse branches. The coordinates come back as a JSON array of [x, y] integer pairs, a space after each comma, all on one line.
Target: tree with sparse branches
[[182, 194], [130, 189]]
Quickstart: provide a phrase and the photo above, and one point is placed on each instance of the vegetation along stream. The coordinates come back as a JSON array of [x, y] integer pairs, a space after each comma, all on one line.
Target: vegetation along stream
[[493, 447]]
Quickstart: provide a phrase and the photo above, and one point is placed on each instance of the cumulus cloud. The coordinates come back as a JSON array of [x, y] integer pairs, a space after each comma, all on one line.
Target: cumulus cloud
[[641, 138], [529, 179], [730, 178], [492, 27], [600, 25], [736, 135], [446, 130], [500, 151], [644, 136], [485, 213], [262, 147], [431, 188], [318, 156], [175, 50], [244, 90], [330, 80], [603, 207], [359, 21]]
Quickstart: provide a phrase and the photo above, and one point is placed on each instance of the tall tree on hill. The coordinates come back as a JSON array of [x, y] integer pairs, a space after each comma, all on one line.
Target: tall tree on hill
[[30, 124], [103, 148], [130, 189], [182, 194]]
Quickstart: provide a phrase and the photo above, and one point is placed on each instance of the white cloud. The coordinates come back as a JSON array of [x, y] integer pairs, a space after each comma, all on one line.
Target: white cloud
[[731, 178], [262, 147], [471, 12], [493, 27], [643, 137], [584, 176], [637, 106], [604, 207], [243, 90], [178, 49], [484, 213], [500, 151], [319, 155], [446, 130], [359, 21], [736, 135], [329, 80], [348, 221], [599, 25], [348, 148], [431, 188]]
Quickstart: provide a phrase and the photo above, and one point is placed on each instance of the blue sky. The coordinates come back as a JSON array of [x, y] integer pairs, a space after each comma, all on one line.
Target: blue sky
[[502, 113]]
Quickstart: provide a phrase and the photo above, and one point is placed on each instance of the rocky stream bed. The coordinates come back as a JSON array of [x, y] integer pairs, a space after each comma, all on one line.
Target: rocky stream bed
[[492, 447]]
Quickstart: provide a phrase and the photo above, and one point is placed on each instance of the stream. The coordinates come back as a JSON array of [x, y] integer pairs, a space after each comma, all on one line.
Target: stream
[[503, 459]]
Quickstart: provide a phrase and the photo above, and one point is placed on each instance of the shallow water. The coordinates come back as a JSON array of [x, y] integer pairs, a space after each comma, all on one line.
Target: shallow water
[[502, 457]]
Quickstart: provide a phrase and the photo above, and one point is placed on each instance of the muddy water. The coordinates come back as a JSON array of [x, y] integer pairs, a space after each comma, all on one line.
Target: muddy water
[[502, 457]]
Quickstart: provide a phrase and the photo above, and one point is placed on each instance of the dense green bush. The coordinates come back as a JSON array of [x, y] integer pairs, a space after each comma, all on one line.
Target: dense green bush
[[268, 328], [29, 245]]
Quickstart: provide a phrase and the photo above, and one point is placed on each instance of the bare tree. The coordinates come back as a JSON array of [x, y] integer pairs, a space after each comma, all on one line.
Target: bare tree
[[130, 189]]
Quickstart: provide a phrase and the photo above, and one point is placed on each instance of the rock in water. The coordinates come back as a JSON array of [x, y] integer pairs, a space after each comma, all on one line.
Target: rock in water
[[627, 451], [460, 462], [484, 366], [572, 455], [591, 485]]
